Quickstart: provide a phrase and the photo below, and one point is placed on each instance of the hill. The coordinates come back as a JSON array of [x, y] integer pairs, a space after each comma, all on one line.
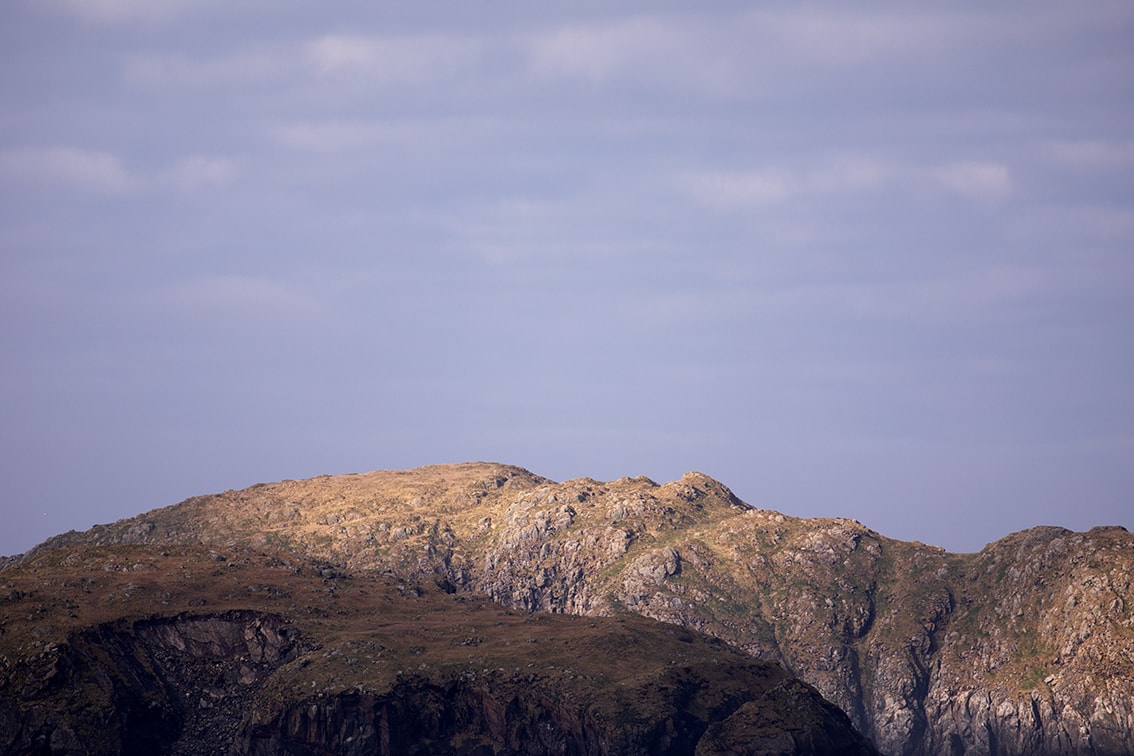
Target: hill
[[185, 650], [1025, 647]]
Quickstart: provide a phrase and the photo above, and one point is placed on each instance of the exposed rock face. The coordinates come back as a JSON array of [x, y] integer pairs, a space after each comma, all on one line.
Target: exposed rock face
[[319, 663], [1056, 647], [1026, 647], [147, 686], [498, 715]]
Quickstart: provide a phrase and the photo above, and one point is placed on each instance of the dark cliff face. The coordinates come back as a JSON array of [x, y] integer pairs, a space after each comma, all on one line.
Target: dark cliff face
[[141, 686], [679, 712], [143, 649], [1027, 647]]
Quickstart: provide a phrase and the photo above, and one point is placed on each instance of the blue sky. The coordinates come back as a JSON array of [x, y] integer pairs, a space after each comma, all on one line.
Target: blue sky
[[873, 262]]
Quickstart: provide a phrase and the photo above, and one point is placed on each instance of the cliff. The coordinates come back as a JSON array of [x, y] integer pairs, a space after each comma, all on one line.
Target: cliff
[[1026, 647]]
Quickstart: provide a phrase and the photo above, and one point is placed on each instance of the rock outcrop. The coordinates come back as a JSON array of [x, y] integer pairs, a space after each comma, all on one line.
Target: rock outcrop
[[145, 686], [1026, 647]]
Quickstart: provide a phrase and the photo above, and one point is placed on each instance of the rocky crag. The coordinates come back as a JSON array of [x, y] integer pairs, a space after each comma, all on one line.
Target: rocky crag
[[1025, 647]]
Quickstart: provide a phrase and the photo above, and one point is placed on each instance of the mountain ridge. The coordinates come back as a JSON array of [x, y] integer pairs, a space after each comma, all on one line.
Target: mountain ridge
[[1025, 646]]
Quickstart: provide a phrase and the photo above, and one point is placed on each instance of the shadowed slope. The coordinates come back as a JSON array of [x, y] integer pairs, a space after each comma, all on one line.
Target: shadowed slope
[[143, 649]]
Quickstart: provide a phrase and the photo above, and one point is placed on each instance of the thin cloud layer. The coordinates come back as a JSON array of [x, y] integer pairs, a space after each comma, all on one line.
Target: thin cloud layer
[[771, 186], [869, 262], [66, 168], [987, 182], [123, 11], [397, 61]]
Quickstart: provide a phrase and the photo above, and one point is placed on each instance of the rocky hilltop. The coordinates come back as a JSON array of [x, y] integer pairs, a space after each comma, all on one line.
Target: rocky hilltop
[[1025, 647]]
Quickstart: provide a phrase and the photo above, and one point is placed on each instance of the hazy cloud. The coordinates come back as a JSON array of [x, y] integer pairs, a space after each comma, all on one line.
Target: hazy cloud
[[1093, 154], [72, 168], [986, 182], [740, 190], [123, 11], [392, 60], [1089, 223], [235, 300], [844, 175], [202, 172], [847, 36], [597, 51], [103, 173], [350, 135], [330, 136], [175, 71]]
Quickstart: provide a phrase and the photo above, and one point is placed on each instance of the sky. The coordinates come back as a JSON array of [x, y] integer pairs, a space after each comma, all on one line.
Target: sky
[[870, 260]]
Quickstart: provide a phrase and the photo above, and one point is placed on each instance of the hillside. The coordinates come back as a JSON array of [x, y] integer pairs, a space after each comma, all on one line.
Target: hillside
[[185, 650], [1026, 647]]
